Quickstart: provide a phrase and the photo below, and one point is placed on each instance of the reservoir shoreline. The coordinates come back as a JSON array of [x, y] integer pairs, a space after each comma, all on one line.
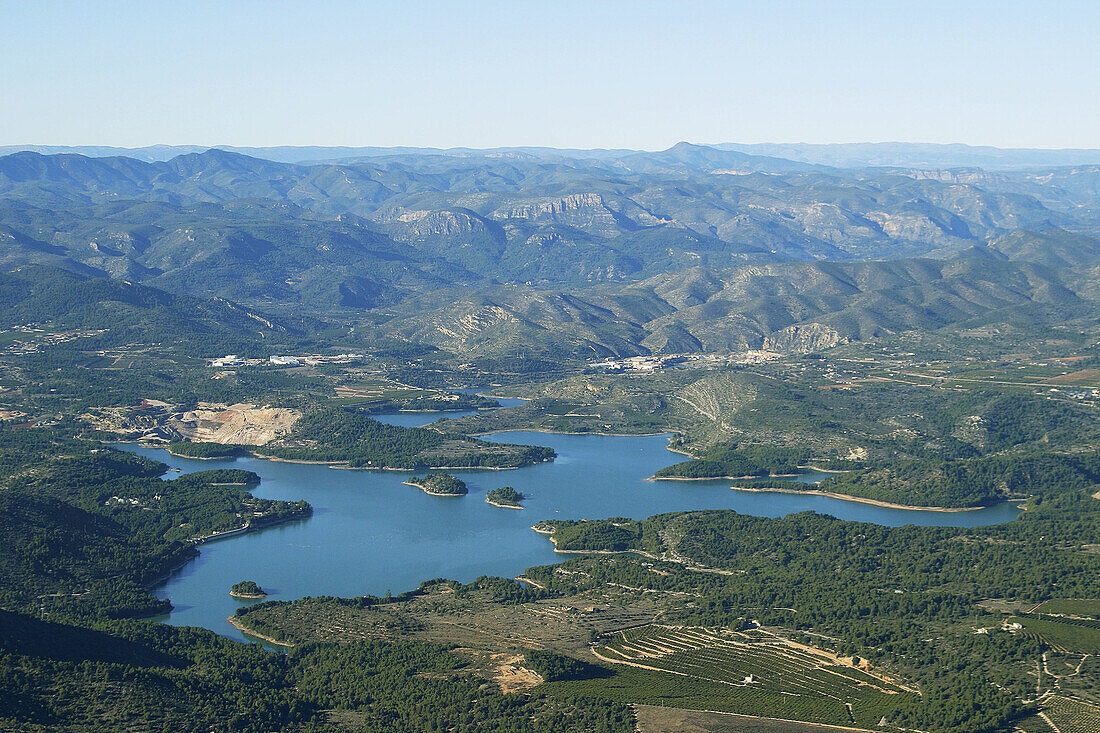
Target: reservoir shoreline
[[369, 534]]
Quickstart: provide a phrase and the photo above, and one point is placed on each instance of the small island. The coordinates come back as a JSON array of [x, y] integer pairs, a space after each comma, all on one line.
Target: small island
[[247, 589], [505, 497], [439, 484]]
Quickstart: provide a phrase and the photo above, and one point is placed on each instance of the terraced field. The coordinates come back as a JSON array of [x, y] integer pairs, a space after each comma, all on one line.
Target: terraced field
[[794, 681]]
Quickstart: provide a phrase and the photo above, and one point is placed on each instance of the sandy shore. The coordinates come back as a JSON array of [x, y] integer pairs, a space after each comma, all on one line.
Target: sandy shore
[[828, 470], [721, 478], [346, 466], [241, 627], [503, 506], [743, 478], [567, 432], [860, 499], [195, 458], [297, 460], [594, 552]]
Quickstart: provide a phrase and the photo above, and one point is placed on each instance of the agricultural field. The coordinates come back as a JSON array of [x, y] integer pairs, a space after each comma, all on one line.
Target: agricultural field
[[751, 672], [1080, 607]]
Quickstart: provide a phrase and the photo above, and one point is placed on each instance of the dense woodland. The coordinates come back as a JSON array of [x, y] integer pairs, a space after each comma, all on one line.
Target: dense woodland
[[87, 526], [151, 676]]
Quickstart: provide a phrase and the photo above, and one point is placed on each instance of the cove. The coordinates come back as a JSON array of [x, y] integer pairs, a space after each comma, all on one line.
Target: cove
[[371, 534]]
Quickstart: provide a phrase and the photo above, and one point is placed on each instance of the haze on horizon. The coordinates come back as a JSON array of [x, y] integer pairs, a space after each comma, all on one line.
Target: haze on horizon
[[641, 75]]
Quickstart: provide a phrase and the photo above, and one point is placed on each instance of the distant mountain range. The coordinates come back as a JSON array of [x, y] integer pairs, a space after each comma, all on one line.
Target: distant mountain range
[[920, 155], [572, 252], [838, 155]]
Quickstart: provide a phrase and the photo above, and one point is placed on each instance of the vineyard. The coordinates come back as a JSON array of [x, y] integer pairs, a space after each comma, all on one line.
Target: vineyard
[[1072, 716], [1082, 607], [757, 672], [1062, 634]]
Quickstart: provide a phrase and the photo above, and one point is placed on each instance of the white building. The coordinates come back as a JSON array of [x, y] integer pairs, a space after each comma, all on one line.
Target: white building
[[227, 360]]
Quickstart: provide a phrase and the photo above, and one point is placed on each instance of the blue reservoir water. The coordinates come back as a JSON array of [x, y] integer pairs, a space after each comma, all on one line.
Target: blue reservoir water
[[370, 533]]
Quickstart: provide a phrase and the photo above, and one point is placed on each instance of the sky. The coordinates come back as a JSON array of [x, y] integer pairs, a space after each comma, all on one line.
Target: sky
[[595, 74]]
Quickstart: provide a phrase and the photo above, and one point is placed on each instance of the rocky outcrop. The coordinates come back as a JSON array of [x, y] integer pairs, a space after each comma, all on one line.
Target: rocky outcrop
[[803, 339], [240, 424]]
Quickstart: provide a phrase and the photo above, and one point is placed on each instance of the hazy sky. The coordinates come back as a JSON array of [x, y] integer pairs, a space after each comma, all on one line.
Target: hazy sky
[[600, 73]]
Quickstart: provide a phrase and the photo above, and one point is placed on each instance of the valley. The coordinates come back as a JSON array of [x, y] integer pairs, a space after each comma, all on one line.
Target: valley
[[870, 394]]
